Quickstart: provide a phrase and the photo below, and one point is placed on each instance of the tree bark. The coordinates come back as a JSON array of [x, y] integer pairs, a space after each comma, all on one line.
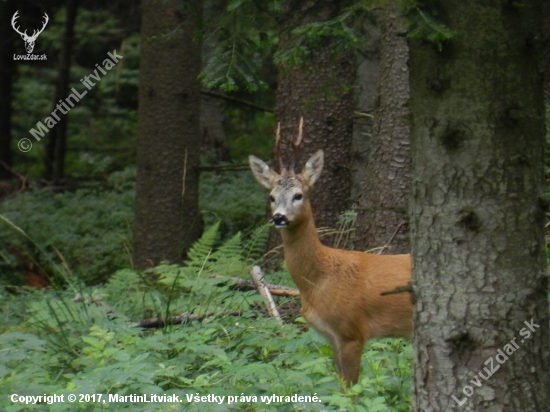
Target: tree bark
[[546, 49], [212, 129], [476, 219], [382, 208], [214, 144], [321, 92], [167, 217], [7, 71], [56, 143], [368, 68]]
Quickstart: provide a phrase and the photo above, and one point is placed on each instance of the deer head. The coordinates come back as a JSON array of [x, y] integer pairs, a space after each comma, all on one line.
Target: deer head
[[29, 40], [340, 290], [289, 192]]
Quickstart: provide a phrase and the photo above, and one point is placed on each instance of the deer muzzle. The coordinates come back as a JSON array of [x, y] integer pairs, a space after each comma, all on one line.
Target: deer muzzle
[[280, 220]]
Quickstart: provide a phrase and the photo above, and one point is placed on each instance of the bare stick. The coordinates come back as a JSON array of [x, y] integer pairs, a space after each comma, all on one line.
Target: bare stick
[[399, 289], [257, 278], [243, 284], [392, 237]]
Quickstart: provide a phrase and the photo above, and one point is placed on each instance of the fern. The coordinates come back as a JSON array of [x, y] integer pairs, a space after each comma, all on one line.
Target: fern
[[232, 258], [255, 247], [199, 254], [227, 259]]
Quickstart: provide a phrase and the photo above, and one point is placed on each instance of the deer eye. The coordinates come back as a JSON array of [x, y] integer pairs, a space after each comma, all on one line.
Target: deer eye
[[271, 199], [297, 196]]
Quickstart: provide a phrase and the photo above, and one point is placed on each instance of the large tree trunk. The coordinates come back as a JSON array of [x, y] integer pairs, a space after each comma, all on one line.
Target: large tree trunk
[[382, 210], [167, 217], [546, 49], [56, 143], [368, 67], [476, 219], [321, 92], [7, 71], [214, 144]]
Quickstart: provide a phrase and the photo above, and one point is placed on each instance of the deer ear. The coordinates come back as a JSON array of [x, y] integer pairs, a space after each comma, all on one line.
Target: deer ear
[[262, 172], [314, 167]]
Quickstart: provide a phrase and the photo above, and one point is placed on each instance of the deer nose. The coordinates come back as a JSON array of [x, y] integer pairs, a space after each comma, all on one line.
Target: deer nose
[[280, 220]]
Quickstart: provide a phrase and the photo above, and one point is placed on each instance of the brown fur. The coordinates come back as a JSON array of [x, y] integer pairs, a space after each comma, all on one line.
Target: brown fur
[[339, 289]]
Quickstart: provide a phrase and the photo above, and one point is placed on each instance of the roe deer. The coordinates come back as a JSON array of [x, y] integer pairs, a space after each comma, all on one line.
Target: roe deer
[[339, 289]]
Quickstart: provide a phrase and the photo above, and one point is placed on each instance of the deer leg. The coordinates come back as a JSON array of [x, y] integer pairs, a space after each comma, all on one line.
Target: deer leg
[[348, 360]]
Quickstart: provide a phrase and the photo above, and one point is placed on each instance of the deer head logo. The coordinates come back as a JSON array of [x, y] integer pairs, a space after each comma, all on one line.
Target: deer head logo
[[29, 40]]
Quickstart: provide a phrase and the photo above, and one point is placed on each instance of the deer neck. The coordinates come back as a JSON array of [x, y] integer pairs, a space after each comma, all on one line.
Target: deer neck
[[302, 250]]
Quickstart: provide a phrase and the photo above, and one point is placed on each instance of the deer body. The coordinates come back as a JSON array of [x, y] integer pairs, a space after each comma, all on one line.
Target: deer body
[[339, 289]]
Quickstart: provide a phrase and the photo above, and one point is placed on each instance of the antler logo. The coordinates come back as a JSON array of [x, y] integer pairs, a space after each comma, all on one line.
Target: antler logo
[[29, 40]]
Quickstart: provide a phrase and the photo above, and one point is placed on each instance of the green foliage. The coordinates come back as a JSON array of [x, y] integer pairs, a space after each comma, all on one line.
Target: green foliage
[[250, 132], [89, 344], [102, 126], [342, 33], [426, 24], [235, 199], [239, 36], [227, 68], [89, 229], [242, 35]]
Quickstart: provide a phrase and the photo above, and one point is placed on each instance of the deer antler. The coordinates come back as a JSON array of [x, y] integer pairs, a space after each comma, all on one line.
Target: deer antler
[[37, 32], [295, 143], [13, 19], [277, 150]]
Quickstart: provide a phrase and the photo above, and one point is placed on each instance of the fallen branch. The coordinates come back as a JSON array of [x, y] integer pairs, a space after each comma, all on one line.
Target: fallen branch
[[184, 317], [257, 277], [399, 289], [24, 181], [244, 284]]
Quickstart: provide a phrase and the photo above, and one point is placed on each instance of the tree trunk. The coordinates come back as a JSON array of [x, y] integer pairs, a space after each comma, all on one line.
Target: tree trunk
[[212, 129], [546, 49], [382, 211], [7, 71], [55, 148], [368, 68], [476, 218], [214, 144], [321, 91], [167, 217]]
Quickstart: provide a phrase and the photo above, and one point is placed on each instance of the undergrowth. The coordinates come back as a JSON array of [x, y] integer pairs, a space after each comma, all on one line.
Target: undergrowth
[[86, 340], [90, 229], [233, 198]]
